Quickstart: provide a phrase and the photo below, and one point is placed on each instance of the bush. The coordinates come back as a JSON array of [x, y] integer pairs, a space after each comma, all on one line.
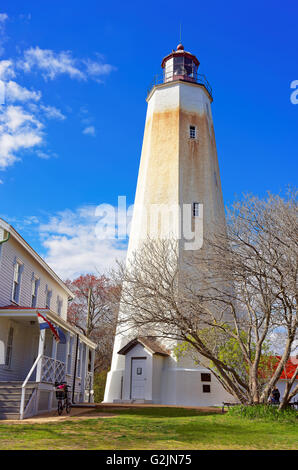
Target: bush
[[267, 412], [99, 385]]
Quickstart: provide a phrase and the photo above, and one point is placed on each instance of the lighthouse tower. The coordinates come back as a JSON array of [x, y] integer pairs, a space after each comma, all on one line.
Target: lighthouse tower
[[179, 171]]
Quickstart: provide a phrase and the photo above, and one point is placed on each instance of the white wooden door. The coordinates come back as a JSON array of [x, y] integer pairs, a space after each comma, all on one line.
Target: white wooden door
[[138, 378]]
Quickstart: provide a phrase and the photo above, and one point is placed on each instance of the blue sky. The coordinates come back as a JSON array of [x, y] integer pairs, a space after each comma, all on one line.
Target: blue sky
[[76, 78]]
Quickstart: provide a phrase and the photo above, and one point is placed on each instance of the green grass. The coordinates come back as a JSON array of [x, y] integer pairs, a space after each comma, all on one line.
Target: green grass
[[156, 429]]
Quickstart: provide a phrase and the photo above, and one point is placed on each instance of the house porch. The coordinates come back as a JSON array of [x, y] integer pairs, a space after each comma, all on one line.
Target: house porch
[[31, 360]]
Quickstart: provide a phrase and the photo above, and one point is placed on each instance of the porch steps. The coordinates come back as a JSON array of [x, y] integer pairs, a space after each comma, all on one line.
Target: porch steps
[[10, 398]]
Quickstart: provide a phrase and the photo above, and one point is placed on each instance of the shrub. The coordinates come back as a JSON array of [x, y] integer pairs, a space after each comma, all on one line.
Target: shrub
[[99, 385]]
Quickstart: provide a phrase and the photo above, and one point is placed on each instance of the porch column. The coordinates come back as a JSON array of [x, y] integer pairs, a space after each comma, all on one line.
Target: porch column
[[84, 368], [42, 336], [54, 348], [54, 354], [91, 399]]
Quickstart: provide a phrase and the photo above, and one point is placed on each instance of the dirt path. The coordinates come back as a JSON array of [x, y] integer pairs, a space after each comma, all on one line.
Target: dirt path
[[93, 413], [52, 417]]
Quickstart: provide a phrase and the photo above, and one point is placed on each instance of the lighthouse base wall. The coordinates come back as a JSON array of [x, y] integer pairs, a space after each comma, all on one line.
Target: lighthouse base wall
[[168, 386]]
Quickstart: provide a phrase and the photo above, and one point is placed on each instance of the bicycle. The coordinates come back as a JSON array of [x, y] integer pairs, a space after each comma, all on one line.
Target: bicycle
[[62, 395]]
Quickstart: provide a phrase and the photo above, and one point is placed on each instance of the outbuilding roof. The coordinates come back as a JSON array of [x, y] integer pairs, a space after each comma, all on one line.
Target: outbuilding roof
[[148, 342]]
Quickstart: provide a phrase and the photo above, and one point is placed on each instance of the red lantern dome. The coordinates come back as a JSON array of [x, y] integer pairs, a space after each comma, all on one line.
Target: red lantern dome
[[180, 65]]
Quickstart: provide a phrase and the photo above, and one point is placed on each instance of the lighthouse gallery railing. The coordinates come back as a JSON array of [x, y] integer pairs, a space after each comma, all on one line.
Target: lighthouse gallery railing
[[173, 76]]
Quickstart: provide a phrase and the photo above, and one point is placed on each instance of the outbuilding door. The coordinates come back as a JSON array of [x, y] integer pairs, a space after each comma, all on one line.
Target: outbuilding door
[[138, 378]]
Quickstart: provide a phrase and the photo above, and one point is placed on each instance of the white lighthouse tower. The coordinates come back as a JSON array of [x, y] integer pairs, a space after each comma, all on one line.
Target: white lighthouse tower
[[178, 168]]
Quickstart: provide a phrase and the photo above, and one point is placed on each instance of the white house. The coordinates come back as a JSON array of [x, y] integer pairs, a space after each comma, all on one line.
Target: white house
[[37, 344]]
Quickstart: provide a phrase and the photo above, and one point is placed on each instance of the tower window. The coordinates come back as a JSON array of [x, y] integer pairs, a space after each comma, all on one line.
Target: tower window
[[192, 132], [195, 209], [205, 377], [206, 388]]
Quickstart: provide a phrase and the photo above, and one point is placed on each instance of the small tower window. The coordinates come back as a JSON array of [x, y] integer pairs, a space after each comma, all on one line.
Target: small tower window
[[192, 132], [205, 377], [195, 209]]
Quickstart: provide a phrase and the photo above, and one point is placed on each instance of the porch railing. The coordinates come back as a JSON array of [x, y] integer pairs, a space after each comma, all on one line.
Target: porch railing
[[22, 405], [89, 385], [52, 370]]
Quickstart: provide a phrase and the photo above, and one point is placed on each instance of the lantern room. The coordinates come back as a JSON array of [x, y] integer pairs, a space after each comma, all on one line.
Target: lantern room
[[180, 65]]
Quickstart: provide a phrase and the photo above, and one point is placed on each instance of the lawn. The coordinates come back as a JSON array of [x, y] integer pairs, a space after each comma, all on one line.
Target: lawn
[[153, 429]]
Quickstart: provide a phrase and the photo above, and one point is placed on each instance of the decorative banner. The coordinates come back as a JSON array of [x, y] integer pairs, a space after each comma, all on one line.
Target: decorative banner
[[48, 324], [61, 336]]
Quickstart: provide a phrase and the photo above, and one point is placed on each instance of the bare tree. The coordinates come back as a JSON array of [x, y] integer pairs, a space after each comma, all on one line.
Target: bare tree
[[94, 312], [241, 287]]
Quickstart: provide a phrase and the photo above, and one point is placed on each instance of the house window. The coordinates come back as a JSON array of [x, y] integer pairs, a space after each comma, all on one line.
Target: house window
[[192, 132], [206, 377], [48, 297], [9, 348], [16, 282], [206, 388], [195, 209], [59, 305], [35, 284], [69, 355]]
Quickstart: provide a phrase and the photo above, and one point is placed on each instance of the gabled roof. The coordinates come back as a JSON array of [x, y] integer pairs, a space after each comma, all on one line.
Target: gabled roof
[[9, 229], [148, 342]]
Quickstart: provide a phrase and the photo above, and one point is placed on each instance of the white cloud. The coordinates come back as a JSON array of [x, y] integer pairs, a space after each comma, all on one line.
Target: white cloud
[[6, 70], [90, 130], [52, 64], [3, 17], [15, 92], [1, 182], [97, 69], [45, 155], [52, 112], [23, 115], [22, 119], [19, 130], [73, 247]]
